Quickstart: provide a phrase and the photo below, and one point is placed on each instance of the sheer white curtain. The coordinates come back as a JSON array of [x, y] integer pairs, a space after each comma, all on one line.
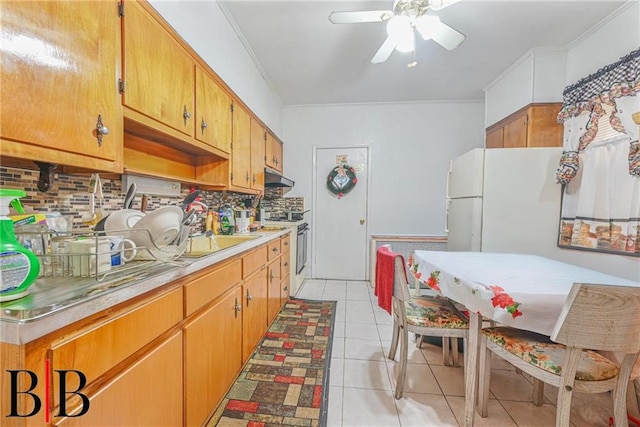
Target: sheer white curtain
[[600, 167]]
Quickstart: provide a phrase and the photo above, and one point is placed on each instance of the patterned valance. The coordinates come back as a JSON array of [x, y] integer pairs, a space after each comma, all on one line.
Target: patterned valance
[[622, 78]]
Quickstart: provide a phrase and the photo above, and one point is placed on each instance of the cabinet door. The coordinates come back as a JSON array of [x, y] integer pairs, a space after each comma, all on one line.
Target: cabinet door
[[241, 150], [273, 153], [544, 129], [275, 279], [147, 394], [213, 113], [158, 72], [258, 141], [58, 76], [285, 289], [515, 131], [495, 138], [254, 318], [212, 356]]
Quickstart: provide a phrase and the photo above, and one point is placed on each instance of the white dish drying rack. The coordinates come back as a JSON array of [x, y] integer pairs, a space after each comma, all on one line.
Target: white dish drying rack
[[40, 240]]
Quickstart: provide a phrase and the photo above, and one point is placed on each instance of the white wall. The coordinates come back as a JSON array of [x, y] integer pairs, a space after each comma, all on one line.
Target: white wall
[[537, 76], [604, 44], [411, 145], [203, 25]]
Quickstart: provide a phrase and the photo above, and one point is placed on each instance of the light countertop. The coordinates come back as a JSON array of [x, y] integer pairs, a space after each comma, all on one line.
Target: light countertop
[[53, 303]]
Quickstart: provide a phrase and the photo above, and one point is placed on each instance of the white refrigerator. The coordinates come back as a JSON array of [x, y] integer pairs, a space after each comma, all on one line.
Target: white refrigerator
[[503, 200]]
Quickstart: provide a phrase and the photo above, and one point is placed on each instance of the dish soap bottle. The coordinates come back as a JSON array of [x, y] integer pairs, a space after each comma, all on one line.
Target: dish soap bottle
[[19, 267]]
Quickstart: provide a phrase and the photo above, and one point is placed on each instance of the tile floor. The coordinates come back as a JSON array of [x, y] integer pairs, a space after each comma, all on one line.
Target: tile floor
[[362, 378]]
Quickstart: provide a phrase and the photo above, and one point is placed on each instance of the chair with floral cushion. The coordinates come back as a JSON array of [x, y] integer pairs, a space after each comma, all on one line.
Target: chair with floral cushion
[[594, 317], [422, 315]]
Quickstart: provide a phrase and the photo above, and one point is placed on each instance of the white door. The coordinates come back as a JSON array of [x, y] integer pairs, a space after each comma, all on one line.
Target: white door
[[339, 231]]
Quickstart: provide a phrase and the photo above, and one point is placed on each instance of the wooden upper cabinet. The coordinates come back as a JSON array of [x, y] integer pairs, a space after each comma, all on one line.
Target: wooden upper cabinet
[[213, 113], [158, 72], [59, 81], [532, 126], [241, 150], [258, 140], [273, 152]]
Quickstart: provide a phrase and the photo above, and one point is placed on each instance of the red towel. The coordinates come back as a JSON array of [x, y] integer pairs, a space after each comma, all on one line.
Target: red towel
[[385, 269]]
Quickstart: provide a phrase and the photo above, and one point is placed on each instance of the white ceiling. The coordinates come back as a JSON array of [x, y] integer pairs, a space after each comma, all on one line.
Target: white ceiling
[[309, 60]]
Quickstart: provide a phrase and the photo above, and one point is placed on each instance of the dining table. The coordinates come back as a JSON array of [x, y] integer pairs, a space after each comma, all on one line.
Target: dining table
[[518, 290]]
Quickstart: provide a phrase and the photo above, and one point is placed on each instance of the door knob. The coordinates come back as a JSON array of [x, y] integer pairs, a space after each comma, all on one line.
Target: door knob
[[361, 221]]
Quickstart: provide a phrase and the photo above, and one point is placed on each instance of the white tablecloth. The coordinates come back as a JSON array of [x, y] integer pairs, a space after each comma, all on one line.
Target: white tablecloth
[[523, 291]]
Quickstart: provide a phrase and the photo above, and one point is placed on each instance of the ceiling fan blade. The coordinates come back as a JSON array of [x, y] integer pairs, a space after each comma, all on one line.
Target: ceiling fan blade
[[430, 27], [385, 50], [447, 36], [358, 17]]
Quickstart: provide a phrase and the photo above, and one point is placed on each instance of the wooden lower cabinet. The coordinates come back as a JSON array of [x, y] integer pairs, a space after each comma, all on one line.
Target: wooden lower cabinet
[[148, 393], [254, 316], [212, 356], [275, 279]]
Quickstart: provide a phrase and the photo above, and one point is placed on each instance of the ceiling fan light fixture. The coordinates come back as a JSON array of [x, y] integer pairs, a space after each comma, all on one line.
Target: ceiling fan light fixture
[[400, 29]]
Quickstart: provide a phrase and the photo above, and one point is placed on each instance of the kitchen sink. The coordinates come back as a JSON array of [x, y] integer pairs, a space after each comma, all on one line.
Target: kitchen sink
[[202, 245]]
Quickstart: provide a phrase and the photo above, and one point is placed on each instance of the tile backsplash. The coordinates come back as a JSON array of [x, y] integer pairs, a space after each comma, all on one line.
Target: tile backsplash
[[69, 195]]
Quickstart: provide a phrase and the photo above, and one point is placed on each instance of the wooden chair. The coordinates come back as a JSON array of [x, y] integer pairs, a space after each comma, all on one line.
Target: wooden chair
[[424, 315], [594, 317]]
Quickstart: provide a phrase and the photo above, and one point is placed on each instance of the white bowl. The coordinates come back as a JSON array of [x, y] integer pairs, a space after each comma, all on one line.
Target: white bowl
[[158, 228], [122, 220]]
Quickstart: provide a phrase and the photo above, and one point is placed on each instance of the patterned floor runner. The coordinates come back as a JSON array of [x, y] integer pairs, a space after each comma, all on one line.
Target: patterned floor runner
[[286, 380]]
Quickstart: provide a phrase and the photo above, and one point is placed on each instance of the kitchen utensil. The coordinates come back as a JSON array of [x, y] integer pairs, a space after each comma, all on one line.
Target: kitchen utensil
[[145, 201], [90, 217], [190, 198], [189, 217], [131, 194]]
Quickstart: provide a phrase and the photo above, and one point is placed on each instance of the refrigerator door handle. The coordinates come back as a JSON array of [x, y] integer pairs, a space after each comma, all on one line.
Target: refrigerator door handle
[[446, 216], [447, 195]]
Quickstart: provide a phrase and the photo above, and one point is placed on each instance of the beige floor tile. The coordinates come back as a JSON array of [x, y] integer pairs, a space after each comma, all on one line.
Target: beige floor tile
[[425, 410], [355, 348], [334, 410], [498, 416], [384, 332], [337, 348], [450, 379], [433, 354], [363, 331], [419, 378], [369, 408], [339, 329], [510, 386], [365, 374], [336, 375], [414, 355], [382, 317], [526, 414]]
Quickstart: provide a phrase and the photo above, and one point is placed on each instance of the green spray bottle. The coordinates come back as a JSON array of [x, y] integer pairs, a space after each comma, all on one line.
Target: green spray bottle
[[19, 267]]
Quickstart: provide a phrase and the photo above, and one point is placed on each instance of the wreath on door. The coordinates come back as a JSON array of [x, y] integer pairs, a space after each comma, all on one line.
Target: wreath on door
[[341, 180]]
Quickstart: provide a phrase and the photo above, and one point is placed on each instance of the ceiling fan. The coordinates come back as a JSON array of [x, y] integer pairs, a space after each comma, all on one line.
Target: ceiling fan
[[406, 17]]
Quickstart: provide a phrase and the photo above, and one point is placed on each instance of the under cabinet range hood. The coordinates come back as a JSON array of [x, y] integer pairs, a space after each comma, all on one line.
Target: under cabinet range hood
[[273, 179]]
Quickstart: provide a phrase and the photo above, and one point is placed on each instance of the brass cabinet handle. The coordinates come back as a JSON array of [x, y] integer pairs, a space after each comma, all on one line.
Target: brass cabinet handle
[[101, 130], [248, 177], [254, 178], [286, 243], [286, 264], [249, 297], [203, 125], [286, 288], [186, 115], [274, 250], [270, 276]]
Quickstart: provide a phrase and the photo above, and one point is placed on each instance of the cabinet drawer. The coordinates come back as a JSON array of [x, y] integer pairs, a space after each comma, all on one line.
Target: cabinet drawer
[[209, 286], [274, 250], [100, 349], [252, 261], [285, 244]]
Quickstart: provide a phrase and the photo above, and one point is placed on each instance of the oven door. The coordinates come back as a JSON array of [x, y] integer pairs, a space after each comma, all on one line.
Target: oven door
[[301, 248]]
